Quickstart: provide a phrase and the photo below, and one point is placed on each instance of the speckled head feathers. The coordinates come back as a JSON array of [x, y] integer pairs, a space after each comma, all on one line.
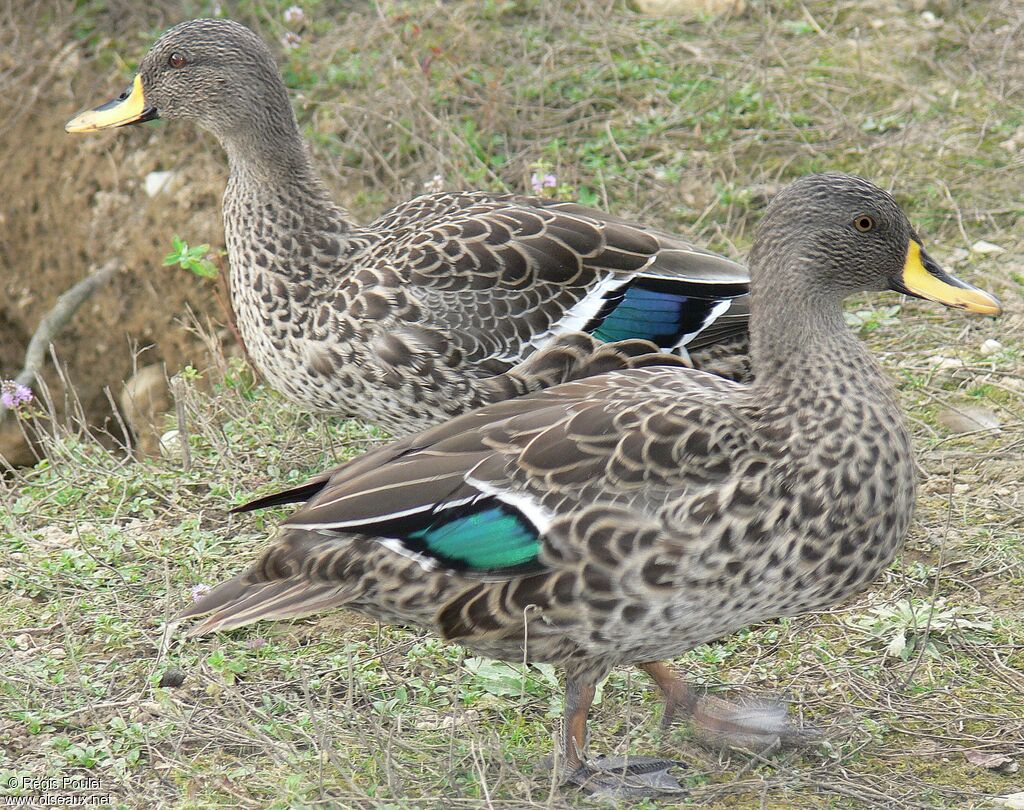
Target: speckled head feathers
[[837, 233], [219, 74], [830, 235]]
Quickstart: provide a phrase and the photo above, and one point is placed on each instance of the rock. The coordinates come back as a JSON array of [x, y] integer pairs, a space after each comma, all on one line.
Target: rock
[[985, 248], [151, 707], [940, 363], [942, 8], [170, 445], [1014, 142], [992, 761], [55, 538], [144, 399], [434, 185], [968, 419], [690, 8], [990, 347], [956, 256], [172, 678], [158, 182]]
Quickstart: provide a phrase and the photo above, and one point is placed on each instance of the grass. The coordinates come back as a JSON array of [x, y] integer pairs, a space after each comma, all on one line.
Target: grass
[[688, 126]]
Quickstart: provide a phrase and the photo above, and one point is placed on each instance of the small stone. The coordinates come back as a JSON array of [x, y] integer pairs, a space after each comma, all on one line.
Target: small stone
[[985, 248], [170, 445], [447, 721], [151, 707], [59, 653], [54, 537], [941, 363], [661, 8], [23, 641], [157, 182], [172, 678], [968, 419], [144, 400], [1013, 143], [990, 347], [434, 185], [760, 194]]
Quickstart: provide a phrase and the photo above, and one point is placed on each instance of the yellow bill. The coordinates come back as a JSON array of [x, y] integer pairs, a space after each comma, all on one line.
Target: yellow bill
[[128, 108], [925, 279]]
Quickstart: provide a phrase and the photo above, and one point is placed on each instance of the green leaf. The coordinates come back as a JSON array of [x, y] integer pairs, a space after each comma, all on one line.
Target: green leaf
[[192, 259], [204, 268]]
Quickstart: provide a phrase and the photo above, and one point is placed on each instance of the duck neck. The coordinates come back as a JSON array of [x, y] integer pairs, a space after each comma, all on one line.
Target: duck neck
[[799, 338], [279, 220], [275, 167], [267, 158]]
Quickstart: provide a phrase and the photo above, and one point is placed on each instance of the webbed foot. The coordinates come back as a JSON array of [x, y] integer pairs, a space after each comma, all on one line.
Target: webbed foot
[[751, 725], [627, 777]]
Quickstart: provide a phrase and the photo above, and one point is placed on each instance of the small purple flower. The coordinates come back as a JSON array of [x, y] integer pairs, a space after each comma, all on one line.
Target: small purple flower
[[256, 643], [294, 15], [290, 41], [199, 591], [547, 181], [13, 394]]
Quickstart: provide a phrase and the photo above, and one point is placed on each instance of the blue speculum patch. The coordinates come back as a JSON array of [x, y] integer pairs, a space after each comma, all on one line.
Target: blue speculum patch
[[493, 538], [653, 309]]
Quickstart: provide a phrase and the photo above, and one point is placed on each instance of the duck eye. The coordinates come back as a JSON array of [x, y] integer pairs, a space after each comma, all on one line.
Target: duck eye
[[864, 223], [177, 60]]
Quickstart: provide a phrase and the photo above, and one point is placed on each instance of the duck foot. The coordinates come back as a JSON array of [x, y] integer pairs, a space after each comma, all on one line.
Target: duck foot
[[751, 725], [627, 777]]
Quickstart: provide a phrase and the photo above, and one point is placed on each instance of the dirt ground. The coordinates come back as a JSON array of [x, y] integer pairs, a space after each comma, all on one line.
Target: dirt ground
[[70, 204]]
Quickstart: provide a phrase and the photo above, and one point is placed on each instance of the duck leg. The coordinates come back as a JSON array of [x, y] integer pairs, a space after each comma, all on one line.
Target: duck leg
[[615, 777], [753, 725]]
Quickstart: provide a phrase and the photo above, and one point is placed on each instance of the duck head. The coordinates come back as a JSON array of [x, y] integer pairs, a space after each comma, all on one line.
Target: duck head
[[214, 72], [836, 234]]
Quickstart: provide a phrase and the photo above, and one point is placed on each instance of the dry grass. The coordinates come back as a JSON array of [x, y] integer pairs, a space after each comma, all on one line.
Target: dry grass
[[689, 126]]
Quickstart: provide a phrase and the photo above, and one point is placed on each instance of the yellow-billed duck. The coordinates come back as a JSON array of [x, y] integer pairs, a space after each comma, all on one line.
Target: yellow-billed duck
[[629, 517], [447, 302]]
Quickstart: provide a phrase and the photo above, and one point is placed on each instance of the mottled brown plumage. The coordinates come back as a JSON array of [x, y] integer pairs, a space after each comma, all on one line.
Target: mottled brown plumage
[[446, 302], [629, 517]]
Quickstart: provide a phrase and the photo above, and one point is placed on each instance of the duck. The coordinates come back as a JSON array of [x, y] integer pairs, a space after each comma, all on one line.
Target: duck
[[447, 302], [625, 518]]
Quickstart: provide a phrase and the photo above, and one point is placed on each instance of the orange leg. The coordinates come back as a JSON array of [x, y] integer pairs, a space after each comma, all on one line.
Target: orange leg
[[578, 699], [613, 777], [678, 694]]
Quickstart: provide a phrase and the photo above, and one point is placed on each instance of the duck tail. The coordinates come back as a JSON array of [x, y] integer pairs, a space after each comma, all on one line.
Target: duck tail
[[241, 601], [574, 356]]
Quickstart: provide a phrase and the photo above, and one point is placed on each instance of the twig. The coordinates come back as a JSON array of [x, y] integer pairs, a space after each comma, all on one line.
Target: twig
[[55, 320], [178, 391], [935, 586]]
